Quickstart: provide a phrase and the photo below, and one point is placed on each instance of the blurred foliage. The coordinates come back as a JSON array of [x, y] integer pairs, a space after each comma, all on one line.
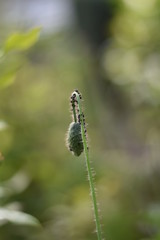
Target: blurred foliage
[[19, 41], [114, 62], [14, 42], [9, 64]]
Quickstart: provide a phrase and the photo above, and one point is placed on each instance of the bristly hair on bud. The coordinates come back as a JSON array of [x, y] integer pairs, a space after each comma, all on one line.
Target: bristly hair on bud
[[74, 139], [74, 135]]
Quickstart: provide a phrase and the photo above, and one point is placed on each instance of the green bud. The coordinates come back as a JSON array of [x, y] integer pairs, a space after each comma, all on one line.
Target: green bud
[[74, 139]]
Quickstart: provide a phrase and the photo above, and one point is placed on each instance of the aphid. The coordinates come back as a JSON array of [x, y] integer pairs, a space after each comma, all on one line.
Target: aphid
[[74, 139], [80, 96], [76, 90]]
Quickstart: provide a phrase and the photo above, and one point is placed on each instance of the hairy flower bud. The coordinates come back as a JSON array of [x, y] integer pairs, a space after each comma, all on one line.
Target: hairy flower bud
[[74, 139]]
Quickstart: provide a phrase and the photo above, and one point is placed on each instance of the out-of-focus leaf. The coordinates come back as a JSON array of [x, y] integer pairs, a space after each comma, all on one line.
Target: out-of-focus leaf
[[17, 217], [3, 125], [18, 183], [4, 191], [22, 41], [157, 237], [1, 159], [154, 214], [7, 78], [1, 53]]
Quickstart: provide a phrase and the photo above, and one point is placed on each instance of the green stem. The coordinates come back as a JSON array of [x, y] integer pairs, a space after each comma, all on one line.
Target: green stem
[[74, 114], [90, 176]]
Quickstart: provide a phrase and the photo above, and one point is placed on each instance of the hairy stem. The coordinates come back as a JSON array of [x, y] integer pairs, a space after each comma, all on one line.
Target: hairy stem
[[74, 114], [89, 170]]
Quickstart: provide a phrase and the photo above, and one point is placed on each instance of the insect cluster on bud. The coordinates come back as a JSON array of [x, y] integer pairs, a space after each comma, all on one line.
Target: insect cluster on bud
[[74, 134]]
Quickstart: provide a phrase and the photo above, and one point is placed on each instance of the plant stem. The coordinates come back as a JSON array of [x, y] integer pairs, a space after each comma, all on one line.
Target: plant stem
[[89, 170], [74, 114]]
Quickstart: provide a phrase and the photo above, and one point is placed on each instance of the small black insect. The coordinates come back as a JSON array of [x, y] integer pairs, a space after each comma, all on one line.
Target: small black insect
[[80, 96], [74, 139]]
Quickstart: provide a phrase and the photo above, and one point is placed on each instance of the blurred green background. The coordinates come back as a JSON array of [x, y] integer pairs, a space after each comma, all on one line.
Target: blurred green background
[[110, 51]]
